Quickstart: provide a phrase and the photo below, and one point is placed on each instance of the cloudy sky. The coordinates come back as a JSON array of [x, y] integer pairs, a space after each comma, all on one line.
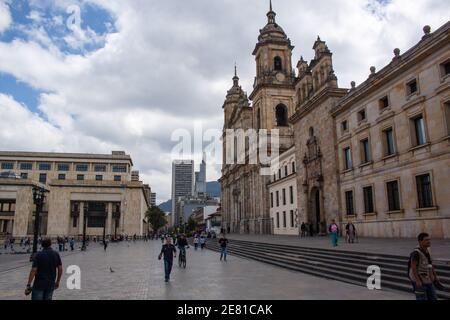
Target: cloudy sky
[[102, 75]]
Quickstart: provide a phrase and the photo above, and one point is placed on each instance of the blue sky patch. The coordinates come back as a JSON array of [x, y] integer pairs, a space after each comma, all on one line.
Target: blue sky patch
[[20, 91]]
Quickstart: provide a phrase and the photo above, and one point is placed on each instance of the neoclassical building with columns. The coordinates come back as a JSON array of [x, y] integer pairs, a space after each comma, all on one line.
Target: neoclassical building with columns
[[377, 154], [101, 188]]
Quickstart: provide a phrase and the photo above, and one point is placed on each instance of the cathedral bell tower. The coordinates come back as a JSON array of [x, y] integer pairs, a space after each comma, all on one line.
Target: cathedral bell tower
[[273, 88], [273, 54]]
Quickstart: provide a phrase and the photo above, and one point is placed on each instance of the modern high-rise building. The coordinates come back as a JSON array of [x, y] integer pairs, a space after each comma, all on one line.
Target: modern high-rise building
[[153, 199], [182, 183], [200, 179]]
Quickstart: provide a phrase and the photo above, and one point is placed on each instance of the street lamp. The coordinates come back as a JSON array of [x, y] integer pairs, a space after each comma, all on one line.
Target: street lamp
[[85, 209], [38, 200]]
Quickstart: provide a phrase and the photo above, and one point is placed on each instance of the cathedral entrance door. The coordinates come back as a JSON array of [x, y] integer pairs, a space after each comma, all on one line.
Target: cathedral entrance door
[[314, 212]]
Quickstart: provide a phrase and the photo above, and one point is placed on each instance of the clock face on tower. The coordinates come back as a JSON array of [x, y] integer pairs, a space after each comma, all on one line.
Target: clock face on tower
[[280, 77]]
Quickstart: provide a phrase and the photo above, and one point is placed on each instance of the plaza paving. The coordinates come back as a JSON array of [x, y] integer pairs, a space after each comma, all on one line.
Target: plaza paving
[[138, 274]]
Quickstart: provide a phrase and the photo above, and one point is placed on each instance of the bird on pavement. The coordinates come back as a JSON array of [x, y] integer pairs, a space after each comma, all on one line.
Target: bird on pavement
[[110, 269]]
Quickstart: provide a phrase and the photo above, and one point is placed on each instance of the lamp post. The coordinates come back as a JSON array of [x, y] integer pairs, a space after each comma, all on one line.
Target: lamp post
[[38, 200], [85, 209]]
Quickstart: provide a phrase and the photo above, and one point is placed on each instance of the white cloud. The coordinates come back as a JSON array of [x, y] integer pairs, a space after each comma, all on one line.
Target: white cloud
[[5, 16], [169, 63]]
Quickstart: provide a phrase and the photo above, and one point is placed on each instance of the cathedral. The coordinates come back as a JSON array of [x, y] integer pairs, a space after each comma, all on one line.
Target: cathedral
[[376, 154]]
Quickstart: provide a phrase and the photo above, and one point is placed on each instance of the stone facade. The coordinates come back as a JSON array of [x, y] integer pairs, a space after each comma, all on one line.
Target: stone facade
[[245, 197], [406, 108], [377, 154], [106, 194]]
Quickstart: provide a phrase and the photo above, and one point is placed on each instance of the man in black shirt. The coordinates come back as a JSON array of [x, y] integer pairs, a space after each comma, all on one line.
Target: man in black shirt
[[43, 271], [223, 242], [169, 252]]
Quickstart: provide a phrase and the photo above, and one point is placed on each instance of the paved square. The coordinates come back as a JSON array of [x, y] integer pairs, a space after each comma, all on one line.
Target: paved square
[[138, 274]]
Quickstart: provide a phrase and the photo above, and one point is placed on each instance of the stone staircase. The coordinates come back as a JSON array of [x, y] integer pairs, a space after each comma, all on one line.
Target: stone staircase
[[346, 266]]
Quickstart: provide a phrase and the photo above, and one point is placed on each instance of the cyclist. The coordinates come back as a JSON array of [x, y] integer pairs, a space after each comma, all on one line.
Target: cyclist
[[182, 244]]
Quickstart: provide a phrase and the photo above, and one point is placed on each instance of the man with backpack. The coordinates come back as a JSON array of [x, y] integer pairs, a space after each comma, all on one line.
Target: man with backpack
[[422, 272]]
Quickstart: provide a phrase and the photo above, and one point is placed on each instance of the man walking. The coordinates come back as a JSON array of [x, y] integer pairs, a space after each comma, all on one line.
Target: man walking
[[202, 242], [105, 244], [351, 232], [196, 240], [303, 229], [223, 242], [422, 272], [334, 233], [46, 272], [169, 252], [72, 244]]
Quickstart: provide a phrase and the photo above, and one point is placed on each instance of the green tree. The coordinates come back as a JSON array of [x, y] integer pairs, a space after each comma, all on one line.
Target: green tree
[[156, 218], [191, 225]]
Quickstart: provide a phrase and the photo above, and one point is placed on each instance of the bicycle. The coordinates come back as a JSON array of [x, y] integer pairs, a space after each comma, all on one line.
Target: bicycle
[[182, 258]]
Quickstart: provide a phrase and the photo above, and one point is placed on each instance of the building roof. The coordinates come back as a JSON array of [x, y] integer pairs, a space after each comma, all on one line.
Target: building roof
[[272, 32], [397, 65], [115, 155]]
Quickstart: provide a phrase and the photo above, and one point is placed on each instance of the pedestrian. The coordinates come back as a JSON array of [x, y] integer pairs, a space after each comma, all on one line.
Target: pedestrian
[[72, 244], [303, 229], [46, 271], [421, 271], [196, 241], [162, 239], [11, 242], [59, 241], [223, 242], [351, 232], [105, 244], [334, 233], [202, 242], [6, 241], [310, 228], [169, 252]]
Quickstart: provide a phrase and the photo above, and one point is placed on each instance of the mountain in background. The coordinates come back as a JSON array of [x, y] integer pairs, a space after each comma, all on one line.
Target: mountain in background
[[212, 189]]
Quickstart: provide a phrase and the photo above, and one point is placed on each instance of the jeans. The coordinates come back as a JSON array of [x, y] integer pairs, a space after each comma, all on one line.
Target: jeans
[[427, 292], [46, 294], [168, 268], [223, 253], [334, 239]]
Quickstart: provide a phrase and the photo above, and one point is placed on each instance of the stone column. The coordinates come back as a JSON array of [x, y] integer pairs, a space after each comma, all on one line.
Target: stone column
[[109, 219], [81, 218]]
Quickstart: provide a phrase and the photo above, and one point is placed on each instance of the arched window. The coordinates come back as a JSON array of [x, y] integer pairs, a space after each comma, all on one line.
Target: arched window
[[277, 64], [282, 115]]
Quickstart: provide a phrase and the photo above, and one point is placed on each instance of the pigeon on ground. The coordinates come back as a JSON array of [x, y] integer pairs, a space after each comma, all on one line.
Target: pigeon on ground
[[110, 269]]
